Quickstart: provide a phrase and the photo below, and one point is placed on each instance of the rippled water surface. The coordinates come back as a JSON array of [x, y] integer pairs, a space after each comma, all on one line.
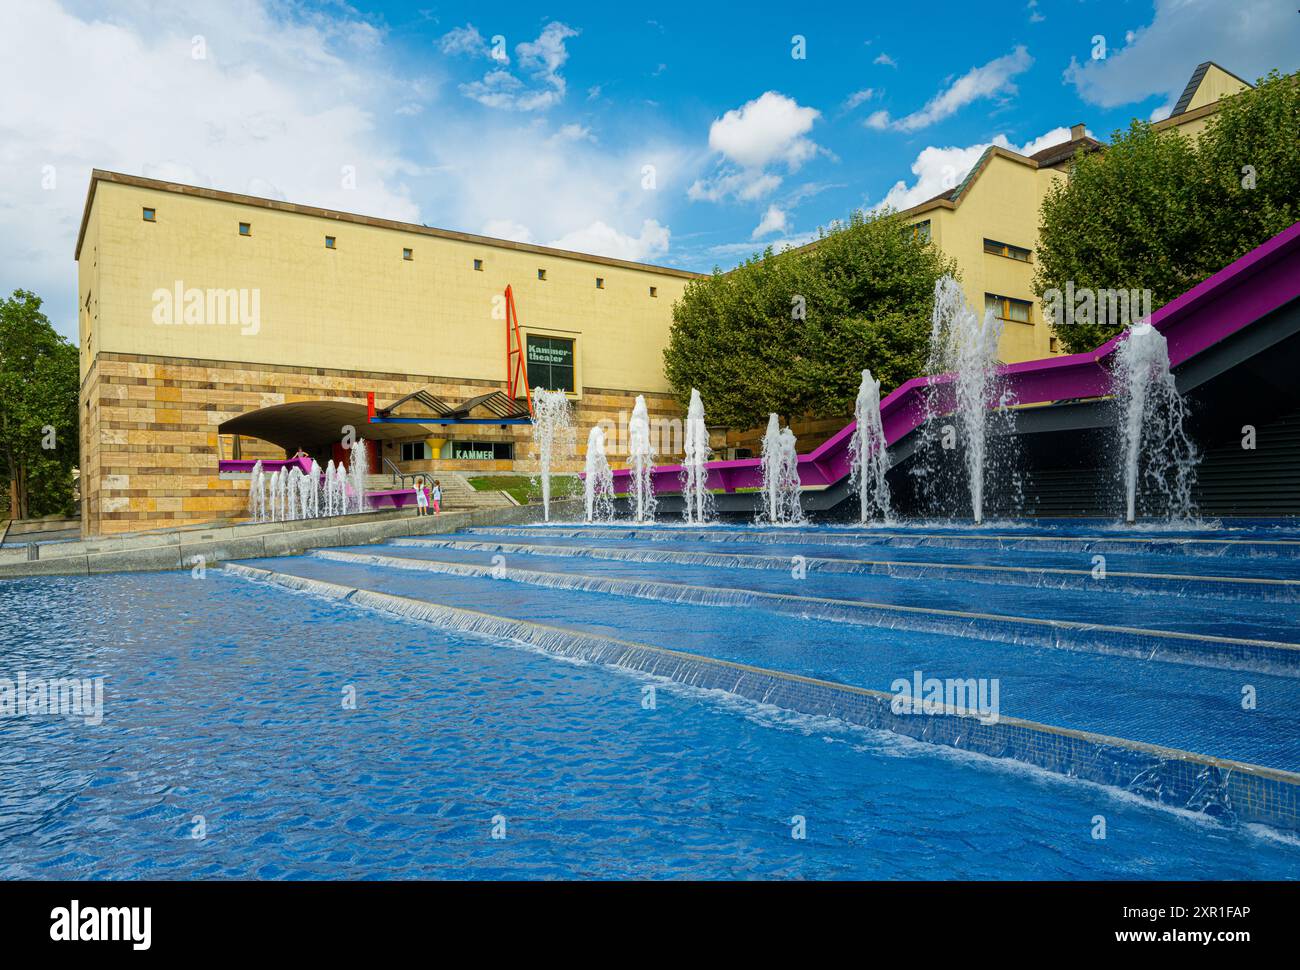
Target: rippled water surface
[[224, 700]]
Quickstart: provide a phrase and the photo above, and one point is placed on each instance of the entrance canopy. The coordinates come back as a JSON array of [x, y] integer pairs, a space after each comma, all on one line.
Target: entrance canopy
[[314, 425]]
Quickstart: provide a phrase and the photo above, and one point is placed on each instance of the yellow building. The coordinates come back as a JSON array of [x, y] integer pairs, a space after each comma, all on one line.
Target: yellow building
[[216, 325], [989, 222]]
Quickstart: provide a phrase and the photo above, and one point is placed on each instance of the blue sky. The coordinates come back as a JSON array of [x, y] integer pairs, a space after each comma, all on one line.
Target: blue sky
[[680, 134]]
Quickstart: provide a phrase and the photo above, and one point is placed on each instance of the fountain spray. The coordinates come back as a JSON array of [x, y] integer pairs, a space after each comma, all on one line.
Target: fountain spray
[[868, 457], [1154, 447], [640, 455], [695, 476]]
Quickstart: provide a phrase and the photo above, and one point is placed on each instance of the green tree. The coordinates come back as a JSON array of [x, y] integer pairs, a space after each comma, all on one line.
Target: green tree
[[1159, 211], [38, 407], [792, 332]]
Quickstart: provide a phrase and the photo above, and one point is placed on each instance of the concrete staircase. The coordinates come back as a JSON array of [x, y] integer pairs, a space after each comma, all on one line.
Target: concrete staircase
[[457, 493]]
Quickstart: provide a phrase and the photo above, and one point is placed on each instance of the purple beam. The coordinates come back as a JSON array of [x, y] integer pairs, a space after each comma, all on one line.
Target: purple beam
[[395, 498], [1247, 289], [244, 466]]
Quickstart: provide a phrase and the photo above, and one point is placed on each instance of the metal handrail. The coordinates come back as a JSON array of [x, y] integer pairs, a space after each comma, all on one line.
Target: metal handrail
[[399, 476]]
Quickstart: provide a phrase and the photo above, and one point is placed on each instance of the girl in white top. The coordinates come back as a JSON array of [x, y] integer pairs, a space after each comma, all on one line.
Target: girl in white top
[[421, 498]]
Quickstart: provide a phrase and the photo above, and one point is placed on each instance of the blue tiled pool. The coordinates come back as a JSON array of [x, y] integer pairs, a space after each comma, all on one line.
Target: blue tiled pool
[[225, 710]]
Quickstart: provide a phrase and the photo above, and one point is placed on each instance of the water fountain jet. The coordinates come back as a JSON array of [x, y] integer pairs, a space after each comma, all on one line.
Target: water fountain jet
[[640, 459], [1154, 447], [695, 476], [598, 483], [553, 437], [780, 486], [868, 457]]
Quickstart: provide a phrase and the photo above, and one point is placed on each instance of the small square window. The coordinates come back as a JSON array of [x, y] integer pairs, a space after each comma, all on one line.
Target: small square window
[[478, 265], [541, 274], [408, 254], [150, 215], [245, 229], [329, 242], [600, 282], [654, 291]]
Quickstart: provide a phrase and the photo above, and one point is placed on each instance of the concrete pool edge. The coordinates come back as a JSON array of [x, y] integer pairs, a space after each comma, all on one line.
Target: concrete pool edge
[[1216, 787], [186, 548]]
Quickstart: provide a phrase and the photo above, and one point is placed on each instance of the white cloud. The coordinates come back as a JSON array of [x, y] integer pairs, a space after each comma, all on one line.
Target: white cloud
[[573, 132], [464, 40], [858, 97], [507, 229], [885, 60], [571, 193], [986, 81], [541, 59], [733, 250], [773, 220], [939, 169], [604, 240], [745, 186], [1034, 16], [279, 105], [1248, 37], [878, 120], [770, 130]]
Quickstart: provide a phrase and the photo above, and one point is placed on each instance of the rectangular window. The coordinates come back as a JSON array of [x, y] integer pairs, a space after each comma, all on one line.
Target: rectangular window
[[1009, 308], [1053, 345], [654, 291], [550, 362], [149, 215], [245, 228], [600, 282], [482, 450], [478, 265], [921, 231], [541, 274], [1003, 249], [408, 254], [329, 242], [416, 451]]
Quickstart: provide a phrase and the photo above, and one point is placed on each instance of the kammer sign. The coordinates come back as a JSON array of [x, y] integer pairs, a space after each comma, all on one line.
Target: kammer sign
[[550, 363]]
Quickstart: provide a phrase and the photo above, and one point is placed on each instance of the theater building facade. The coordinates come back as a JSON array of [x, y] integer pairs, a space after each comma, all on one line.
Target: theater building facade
[[217, 326]]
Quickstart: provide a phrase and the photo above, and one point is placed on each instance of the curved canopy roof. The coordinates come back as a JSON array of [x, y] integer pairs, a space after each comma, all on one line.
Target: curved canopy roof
[[313, 424]]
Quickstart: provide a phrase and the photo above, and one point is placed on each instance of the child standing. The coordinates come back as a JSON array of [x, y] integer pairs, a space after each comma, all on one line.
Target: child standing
[[437, 497], [421, 497]]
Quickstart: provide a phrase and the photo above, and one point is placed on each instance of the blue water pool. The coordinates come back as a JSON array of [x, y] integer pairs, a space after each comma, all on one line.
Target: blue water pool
[[225, 715]]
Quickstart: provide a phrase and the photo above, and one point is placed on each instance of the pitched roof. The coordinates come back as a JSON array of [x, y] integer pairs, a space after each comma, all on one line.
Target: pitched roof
[[1194, 82], [1055, 154]]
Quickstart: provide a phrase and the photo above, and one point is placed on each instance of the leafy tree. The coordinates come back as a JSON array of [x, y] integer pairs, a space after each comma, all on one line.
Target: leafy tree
[[1250, 154], [792, 332], [1159, 211], [38, 407]]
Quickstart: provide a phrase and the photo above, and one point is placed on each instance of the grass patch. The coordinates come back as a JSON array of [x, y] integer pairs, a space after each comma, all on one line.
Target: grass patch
[[525, 489]]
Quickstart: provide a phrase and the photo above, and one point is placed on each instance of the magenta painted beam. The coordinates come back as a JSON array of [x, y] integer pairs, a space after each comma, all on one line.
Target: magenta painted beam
[[232, 467], [394, 498], [1253, 286]]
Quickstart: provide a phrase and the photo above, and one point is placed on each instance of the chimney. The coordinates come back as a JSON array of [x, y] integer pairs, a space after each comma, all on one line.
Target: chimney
[[1076, 132]]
